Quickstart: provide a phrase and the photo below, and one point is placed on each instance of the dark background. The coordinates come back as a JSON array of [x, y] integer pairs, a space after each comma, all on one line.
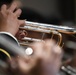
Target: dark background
[[49, 11]]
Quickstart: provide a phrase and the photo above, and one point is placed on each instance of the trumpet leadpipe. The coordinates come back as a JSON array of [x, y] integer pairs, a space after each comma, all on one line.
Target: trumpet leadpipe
[[34, 26]]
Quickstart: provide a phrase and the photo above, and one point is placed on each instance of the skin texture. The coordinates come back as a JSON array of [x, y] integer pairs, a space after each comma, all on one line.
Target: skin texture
[[45, 60], [9, 21]]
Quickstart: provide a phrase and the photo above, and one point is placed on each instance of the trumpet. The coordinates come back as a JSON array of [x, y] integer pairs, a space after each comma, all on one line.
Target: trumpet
[[47, 28], [40, 27]]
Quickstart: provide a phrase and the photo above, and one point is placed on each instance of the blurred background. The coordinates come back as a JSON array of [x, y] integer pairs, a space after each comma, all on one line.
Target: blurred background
[[49, 11]]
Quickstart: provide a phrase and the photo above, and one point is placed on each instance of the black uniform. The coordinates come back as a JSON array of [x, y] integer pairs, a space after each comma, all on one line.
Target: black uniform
[[4, 51]]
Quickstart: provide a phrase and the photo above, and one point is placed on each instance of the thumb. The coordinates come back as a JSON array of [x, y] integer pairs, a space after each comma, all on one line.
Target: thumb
[[21, 22]]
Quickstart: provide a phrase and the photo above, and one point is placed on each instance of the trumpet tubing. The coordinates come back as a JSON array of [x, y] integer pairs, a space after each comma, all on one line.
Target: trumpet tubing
[[48, 28], [39, 27]]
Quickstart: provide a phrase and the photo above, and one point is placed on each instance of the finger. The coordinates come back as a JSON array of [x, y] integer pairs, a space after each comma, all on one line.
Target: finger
[[49, 44], [13, 6], [3, 8], [52, 50], [57, 51], [17, 13], [37, 50], [21, 22], [21, 34], [57, 56]]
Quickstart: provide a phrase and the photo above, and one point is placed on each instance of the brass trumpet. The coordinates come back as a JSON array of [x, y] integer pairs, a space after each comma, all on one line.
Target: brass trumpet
[[47, 28], [40, 27]]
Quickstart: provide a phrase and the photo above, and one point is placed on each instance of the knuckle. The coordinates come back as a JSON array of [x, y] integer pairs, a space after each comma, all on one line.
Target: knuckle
[[8, 11]]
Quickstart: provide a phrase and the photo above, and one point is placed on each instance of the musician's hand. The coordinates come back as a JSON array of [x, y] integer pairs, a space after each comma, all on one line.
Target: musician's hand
[[21, 34], [9, 21], [50, 55], [45, 60]]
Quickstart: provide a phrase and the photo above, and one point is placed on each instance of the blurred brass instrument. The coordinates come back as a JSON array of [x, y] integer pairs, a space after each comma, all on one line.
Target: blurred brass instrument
[[47, 28], [38, 27]]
